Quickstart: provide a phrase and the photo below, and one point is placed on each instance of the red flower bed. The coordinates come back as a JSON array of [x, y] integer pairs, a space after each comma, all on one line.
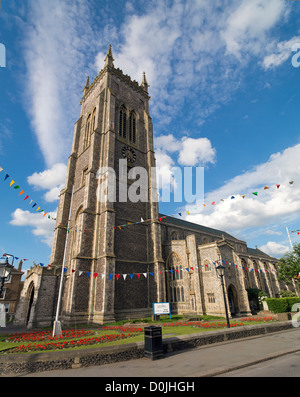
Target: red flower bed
[[254, 319], [38, 338], [67, 344], [47, 335], [220, 325], [124, 328], [202, 325]]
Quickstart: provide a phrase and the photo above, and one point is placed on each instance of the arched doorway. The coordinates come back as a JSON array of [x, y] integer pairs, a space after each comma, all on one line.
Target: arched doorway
[[233, 301], [31, 296]]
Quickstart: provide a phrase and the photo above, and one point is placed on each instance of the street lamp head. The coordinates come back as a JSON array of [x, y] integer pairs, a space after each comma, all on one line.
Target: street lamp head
[[5, 268], [220, 270], [12, 256]]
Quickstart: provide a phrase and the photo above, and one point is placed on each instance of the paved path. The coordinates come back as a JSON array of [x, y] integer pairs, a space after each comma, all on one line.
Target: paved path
[[287, 366], [203, 361]]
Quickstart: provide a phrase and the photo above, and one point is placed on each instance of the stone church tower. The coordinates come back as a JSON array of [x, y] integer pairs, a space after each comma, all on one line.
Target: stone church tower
[[119, 253], [114, 124]]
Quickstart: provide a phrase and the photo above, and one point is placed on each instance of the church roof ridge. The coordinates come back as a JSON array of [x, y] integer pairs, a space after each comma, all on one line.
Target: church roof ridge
[[258, 252], [181, 222]]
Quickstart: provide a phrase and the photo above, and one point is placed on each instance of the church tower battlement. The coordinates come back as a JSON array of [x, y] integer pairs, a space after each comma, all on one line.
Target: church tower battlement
[[114, 124]]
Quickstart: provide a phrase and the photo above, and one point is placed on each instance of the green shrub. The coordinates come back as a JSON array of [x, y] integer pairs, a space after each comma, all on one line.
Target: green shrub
[[286, 294], [281, 305], [278, 305], [292, 301]]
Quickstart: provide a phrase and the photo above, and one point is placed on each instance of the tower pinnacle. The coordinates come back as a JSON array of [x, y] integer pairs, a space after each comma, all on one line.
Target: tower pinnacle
[[144, 84], [87, 85], [109, 57]]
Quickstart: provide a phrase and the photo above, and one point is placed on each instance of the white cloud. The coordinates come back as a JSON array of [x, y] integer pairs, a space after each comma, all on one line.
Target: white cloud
[[191, 151], [273, 233], [164, 169], [196, 152], [272, 205], [42, 226], [52, 179], [185, 152], [167, 143], [55, 41], [176, 45], [53, 194], [274, 249], [248, 26], [282, 51], [49, 178]]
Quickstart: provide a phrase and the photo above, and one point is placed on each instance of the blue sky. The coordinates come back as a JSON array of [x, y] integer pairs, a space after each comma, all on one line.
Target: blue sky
[[224, 96]]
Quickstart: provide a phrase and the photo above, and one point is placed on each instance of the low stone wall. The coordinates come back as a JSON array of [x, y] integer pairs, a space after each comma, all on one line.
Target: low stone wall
[[210, 337], [25, 363]]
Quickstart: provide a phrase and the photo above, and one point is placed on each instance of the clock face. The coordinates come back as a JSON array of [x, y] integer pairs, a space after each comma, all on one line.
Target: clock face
[[129, 153]]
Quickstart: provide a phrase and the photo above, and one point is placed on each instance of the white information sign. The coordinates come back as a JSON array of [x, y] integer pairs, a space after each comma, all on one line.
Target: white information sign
[[2, 316], [161, 308]]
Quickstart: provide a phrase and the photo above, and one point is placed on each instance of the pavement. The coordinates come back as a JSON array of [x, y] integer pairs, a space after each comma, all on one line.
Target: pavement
[[205, 361]]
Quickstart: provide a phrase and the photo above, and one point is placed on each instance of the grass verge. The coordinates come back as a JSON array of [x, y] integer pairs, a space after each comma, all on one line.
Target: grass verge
[[113, 334]]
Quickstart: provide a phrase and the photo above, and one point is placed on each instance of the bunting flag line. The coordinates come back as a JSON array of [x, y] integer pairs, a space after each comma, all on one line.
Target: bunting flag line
[[295, 231], [132, 275], [145, 275], [119, 227], [26, 195], [22, 259]]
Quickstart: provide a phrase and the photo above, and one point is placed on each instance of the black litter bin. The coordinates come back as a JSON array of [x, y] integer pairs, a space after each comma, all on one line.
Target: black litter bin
[[153, 342]]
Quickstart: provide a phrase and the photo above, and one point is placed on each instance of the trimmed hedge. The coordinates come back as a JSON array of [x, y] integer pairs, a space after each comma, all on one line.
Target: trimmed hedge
[[281, 305]]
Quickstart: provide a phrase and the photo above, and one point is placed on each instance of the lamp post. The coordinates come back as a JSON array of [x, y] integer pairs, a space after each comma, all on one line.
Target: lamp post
[[57, 331], [5, 270], [221, 272]]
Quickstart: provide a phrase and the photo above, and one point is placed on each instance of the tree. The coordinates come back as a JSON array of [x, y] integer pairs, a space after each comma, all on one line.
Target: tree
[[289, 266]]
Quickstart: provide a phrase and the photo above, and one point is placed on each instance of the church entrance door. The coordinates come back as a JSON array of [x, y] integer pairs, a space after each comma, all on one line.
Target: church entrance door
[[30, 305], [233, 301]]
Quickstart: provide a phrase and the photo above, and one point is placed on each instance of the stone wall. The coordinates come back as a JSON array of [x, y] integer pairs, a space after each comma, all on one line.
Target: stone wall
[[38, 362], [38, 298]]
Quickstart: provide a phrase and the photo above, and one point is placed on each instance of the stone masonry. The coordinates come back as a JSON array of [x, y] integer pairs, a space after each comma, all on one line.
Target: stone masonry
[[177, 257]]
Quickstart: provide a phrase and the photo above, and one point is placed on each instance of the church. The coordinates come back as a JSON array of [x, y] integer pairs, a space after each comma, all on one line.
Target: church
[[115, 266]]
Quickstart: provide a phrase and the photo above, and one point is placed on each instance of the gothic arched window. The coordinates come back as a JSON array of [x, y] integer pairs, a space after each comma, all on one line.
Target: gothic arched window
[[132, 127], [178, 294], [93, 121], [180, 273], [182, 294], [122, 122], [76, 232], [174, 236], [246, 273], [207, 266], [257, 274], [87, 132]]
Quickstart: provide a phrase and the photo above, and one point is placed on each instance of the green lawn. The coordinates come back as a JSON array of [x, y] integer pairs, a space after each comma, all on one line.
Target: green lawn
[[174, 329]]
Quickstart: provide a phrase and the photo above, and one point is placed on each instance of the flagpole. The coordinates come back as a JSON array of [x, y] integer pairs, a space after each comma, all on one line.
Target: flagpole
[[287, 230], [57, 331]]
